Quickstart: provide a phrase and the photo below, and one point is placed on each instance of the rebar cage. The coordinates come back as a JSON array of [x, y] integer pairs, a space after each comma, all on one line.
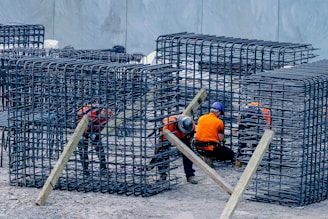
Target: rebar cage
[[107, 56], [47, 93], [237, 72], [294, 171], [48, 89], [218, 63], [101, 55], [16, 35]]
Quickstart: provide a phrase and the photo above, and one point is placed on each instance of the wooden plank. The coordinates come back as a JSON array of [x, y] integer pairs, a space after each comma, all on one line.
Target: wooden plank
[[195, 103], [197, 161], [119, 119], [62, 161], [247, 174]]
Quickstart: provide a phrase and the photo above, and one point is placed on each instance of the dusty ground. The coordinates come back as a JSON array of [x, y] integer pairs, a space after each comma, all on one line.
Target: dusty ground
[[202, 201]]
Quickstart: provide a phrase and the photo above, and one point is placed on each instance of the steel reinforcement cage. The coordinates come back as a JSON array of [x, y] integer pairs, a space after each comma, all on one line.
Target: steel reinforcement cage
[[106, 56], [17, 35], [218, 63], [97, 55], [294, 171], [45, 96]]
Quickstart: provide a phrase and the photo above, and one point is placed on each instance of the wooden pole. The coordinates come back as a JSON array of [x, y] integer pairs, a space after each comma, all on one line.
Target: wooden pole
[[247, 174], [195, 103], [119, 119], [196, 160], [62, 161]]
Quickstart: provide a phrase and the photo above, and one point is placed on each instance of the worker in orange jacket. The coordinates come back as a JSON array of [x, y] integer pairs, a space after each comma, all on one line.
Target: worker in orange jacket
[[183, 127], [210, 136], [98, 118]]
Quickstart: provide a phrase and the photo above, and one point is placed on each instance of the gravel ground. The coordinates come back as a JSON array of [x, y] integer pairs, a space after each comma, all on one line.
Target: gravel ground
[[202, 201]]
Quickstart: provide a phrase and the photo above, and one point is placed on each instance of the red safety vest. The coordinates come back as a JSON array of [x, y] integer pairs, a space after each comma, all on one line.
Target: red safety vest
[[171, 124], [97, 117]]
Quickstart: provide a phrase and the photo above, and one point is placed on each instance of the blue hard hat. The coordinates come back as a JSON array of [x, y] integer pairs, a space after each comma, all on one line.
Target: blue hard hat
[[218, 106]]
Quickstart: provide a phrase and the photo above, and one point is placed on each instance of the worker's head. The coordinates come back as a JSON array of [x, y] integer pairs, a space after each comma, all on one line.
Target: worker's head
[[254, 107], [185, 124], [217, 107], [106, 112], [93, 110], [256, 104]]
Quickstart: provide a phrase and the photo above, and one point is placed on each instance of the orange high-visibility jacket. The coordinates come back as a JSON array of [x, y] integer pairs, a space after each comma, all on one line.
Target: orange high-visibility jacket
[[171, 124], [265, 111], [97, 117], [208, 128]]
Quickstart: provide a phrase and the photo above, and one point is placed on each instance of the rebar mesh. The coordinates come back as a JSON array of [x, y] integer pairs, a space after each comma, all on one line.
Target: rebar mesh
[[294, 171], [218, 63], [100, 55], [239, 71], [45, 95], [17, 35], [106, 56]]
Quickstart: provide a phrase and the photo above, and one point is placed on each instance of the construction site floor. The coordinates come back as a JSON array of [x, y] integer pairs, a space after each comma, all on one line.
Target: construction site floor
[[204, 200]]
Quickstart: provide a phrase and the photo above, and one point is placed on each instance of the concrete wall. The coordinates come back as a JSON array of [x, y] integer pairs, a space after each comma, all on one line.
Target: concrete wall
[[135, 24]]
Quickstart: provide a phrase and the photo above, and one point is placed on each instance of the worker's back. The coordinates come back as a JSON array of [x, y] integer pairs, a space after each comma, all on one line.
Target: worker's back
[[97, 116], [252, 122]]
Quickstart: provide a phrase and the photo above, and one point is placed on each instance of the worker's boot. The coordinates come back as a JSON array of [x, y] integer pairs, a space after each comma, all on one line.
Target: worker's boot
[[238, 164], [208, 161], [86, 171], [191, 179], [162, 177], [104, 170]]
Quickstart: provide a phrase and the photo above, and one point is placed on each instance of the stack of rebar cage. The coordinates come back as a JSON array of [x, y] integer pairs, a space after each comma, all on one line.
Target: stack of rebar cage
[[47, 93], [218, 63], [17, 35], [294, 171]]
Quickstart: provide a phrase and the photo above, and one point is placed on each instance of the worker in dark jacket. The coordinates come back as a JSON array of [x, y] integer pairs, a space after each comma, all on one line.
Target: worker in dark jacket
[[251, 124]]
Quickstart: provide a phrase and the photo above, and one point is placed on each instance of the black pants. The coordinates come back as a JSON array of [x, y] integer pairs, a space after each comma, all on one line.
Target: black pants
[[221, 153], [242, 143], [162, 158], [187, 166], [83, 151], [163, 166]]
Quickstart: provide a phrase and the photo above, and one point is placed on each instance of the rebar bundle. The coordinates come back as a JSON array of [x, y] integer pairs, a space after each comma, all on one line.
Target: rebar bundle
[[294, 171], [46, 95], [17, 35]]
